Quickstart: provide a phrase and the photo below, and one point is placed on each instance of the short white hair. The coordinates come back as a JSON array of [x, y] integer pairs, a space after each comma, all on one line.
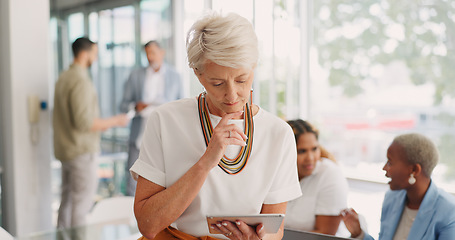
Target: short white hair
[[419, 149], [228, 41]]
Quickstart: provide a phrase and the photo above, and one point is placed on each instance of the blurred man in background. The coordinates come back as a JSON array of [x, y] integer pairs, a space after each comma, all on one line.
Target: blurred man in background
[[77, 126], [147, 88]]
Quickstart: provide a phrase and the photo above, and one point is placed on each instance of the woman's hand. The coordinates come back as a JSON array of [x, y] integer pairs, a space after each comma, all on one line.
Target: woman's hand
[[239, 230], [224, 134], [351, 220]]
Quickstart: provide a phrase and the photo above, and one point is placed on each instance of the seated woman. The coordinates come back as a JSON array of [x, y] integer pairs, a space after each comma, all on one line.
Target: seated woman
[[323, 186], [415, 208], [216, 154]]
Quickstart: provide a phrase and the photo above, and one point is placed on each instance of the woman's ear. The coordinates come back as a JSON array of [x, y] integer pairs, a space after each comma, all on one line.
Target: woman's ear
[[417, 169]]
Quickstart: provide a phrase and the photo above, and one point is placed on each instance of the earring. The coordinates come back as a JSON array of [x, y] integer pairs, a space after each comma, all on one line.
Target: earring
[[251, 97], [412, 179]]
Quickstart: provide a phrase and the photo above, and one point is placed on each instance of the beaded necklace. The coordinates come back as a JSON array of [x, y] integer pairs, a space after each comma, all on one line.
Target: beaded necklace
[[230, 166]]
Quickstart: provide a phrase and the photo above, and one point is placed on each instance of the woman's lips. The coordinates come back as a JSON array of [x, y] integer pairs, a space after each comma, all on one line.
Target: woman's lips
[[389, 178], [231, 104], [308, 167]]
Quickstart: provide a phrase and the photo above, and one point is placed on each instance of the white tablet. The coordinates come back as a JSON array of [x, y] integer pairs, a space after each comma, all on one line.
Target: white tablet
[[272, 222]]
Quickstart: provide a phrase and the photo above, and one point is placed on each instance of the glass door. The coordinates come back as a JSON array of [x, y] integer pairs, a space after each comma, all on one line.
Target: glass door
[[114, 30]]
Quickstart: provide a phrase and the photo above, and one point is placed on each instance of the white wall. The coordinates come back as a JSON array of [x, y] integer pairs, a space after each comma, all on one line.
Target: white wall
[[24, 61]]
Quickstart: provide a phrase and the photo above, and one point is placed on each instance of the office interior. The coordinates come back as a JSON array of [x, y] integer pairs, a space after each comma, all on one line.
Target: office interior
[[362, 72]]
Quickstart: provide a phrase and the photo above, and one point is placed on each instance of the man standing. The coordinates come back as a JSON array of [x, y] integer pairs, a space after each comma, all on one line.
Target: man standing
[[77, 127], [147, 88]]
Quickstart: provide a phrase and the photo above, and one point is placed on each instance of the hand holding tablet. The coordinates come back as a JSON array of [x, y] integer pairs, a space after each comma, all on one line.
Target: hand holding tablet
[[272, 222]]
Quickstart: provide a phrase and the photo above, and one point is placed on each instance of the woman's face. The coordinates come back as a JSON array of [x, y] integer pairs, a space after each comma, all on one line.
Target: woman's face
[[397, 168], [308, 153], [228, 89]]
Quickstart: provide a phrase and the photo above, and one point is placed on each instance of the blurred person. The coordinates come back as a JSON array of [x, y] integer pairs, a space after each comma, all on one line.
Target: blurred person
[[323, 185], [77, 126], [414, 208], [147, 88], [197, 157]]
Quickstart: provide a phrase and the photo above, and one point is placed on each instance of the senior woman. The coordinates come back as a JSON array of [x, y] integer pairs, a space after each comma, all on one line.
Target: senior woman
[[415, 208], [217, 154], [323, 185]]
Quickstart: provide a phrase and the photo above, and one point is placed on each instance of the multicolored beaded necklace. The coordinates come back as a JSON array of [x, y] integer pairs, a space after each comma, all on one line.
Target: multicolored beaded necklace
[[230, 166]]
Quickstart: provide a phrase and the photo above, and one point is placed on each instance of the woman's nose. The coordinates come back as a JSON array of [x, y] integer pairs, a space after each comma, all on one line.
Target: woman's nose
[[230, 92], [384, 167], [309, 158]]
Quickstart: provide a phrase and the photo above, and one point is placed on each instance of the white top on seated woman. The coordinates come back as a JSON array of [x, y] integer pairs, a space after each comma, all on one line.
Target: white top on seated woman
[[323, 185], [217, 154], [414, 208]]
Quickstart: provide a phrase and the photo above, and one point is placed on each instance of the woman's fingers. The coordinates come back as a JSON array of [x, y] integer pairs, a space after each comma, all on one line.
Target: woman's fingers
[[239, 230], [229, 134], [348, 212], [253, 233], [260, 231], [235, 138], [351, 220], [228, 229], [224, 120], [223, 135], [235, 132], [231, 130]]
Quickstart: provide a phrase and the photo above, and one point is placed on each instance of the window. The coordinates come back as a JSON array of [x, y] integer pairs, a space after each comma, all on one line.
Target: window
[[156, 24], [75, 26], [377, 71], [114, 31], [278, 72]]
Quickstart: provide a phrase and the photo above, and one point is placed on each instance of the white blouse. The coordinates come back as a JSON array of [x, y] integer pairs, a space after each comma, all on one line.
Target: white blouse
[[173, 142], [324, 192]]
